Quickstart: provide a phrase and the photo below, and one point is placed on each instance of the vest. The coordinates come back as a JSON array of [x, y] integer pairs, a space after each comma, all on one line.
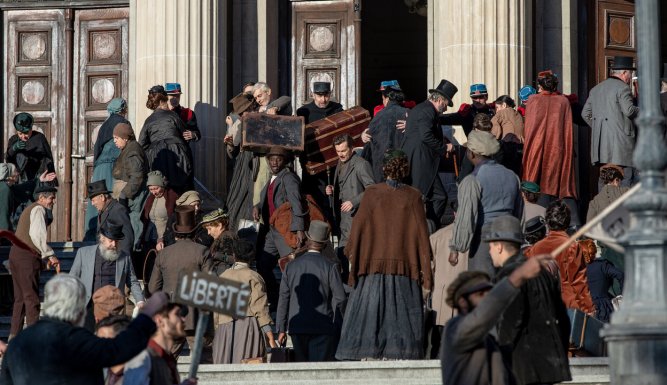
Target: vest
[[500, 190], [23, 227]]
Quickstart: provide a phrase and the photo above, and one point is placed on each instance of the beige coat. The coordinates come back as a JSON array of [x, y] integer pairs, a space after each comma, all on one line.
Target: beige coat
[[444, 273], [258, 305], [507, 121]]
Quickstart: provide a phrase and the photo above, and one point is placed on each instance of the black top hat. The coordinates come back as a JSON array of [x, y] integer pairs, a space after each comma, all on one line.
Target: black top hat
[[321, 87], [318, 231], [446, 89], [96, 188], [23, 122], [505, 228], [623, 63], [112, 230], [185, 220]]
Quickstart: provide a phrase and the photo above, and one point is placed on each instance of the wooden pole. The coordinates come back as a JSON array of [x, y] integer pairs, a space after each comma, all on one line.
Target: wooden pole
[[584, 229], [202, 323]]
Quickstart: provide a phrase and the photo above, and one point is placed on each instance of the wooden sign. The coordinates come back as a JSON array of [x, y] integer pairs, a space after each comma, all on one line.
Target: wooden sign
[[262, 131], [209, 292]]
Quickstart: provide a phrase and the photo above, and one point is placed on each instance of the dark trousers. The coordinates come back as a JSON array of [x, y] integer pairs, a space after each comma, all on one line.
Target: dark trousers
[[436, 203], [25, 267], [314, 347], [274, 247]]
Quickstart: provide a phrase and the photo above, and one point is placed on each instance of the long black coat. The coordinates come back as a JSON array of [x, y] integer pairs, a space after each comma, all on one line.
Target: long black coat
[[33, 159], [53, 352], [424, 145], [536, 328], [384, 135], [117, 213], [312, 113]]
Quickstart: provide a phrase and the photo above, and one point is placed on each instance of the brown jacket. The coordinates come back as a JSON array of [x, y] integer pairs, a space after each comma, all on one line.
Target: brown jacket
[[390, 236], [258, 305], [131, 167], [574, 285], [507, 121]]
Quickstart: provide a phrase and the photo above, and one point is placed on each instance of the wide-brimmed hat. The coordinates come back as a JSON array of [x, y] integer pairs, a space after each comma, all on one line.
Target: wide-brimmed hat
[[188, 198], [530, 187], [173, 88], [623, 63], [155, 178], [446, 89], [276, 150], [112, 230], [23, 122], [321, 87], [478, 89], [242, 102], [483, 143], [505, 228], [318, 231], [466, 283], [185, 220], [96, 188], [108, 300], [214, 216]]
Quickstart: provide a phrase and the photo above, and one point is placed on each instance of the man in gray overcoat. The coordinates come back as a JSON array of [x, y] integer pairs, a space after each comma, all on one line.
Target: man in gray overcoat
[[609, 111]]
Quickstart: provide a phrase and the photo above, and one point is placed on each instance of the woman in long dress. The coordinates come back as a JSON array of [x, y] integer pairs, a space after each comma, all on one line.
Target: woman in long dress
[[244, 337], [390, 270], [162, 139], [105, 154]]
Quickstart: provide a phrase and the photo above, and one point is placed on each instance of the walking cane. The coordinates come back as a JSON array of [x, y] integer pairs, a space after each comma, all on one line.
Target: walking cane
[[331, 199]]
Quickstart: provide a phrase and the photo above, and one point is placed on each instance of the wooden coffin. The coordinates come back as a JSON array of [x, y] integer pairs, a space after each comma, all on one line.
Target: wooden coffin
[[320, 152], [262, 131]]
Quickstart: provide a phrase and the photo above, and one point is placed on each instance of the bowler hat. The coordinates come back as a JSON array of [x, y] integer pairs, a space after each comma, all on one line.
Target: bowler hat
[[185, 220], [446, 89], [173, 88], [534, 224], [318, 231], [158, 89], [505, 228], [112, 230], [23, 122], [96, 188], [45, 188], [623, 63], [321, 87], [478, 90], [389, 84], [277, 150]]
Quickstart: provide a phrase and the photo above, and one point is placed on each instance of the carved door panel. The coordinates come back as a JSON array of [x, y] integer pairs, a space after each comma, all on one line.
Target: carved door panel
[[615, 34], [101, 49], [35, 78], [325, 47]]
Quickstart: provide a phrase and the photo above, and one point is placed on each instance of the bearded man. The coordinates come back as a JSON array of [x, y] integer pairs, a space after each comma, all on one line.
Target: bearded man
[[106, 264]]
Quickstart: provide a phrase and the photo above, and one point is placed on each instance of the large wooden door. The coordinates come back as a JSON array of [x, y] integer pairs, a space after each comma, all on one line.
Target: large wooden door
[[325, 47], [63, 66], [615, 34], [100, 74]]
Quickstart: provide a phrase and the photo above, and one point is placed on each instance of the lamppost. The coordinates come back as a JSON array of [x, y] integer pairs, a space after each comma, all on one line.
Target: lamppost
[[637, 335]]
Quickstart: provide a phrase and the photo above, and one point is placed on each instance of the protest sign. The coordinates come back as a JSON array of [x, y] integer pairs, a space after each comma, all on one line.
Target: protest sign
[[208, 292]]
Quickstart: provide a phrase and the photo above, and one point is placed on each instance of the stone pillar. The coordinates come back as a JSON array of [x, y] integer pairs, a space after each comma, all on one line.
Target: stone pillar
[[480, 41], [184, 42], [267, 44]]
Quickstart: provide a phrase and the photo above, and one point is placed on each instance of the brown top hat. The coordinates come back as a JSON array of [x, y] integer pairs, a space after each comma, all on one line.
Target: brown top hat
[[185, 220]]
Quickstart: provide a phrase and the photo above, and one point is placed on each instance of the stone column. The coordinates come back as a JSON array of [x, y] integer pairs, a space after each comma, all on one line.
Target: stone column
[[184, 42], [267, 44], [480, 41]]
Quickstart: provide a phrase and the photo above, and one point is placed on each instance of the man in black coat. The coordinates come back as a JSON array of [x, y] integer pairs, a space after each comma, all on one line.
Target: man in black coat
[[312, 301], [425, 146], [535, 327], [57, 351], [109, 210]]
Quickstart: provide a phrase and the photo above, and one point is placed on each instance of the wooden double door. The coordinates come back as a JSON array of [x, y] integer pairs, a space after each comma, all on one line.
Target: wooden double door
[[615, 34], [63, 66]]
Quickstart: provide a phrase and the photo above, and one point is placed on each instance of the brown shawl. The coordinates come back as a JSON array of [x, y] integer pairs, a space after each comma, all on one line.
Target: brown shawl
[[549, 148], [390, 236]]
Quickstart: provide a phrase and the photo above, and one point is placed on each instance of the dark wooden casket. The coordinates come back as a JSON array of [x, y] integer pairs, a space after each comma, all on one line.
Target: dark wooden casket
[[320, 152], [263, 131]]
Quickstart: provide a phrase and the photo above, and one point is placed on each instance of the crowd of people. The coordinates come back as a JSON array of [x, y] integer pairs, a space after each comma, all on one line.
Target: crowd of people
[[381, 263]]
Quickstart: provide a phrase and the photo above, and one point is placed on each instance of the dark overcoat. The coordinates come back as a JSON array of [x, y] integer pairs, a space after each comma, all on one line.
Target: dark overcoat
[[33, 159], [384, 135], [312, 113], [536, 328], [350, 186], [53, 352], [424, 146]]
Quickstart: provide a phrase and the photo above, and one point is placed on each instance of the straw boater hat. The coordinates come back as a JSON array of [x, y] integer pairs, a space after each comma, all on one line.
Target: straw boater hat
[[214, 216]]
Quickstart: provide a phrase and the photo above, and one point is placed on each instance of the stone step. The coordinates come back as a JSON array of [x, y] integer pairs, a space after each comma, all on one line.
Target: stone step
[[589, 371]]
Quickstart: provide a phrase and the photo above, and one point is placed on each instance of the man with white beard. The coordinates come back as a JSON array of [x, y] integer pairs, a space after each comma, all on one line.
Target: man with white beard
[[105, 264]]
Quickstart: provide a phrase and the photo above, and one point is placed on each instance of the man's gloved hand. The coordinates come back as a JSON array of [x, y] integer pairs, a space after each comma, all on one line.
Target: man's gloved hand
[[18, 145]]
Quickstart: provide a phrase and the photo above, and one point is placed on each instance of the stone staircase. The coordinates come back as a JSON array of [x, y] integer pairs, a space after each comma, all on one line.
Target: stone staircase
[[585, 371]]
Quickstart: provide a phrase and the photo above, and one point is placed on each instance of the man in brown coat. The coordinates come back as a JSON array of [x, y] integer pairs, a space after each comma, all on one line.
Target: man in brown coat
[[183, 256]]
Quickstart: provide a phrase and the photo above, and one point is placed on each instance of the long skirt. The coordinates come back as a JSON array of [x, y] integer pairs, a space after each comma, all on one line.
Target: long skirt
[[238, 340], [384, 319]]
